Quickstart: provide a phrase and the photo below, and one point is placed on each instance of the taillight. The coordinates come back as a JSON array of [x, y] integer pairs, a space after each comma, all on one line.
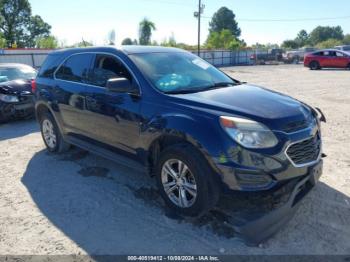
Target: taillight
[[33, 84]]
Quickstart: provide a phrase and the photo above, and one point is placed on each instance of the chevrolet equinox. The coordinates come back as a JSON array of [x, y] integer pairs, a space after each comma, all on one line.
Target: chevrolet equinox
[[194, 128]]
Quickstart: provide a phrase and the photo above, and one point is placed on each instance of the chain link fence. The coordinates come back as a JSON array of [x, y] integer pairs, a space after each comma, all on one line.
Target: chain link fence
[[227, 58], [218, 58]]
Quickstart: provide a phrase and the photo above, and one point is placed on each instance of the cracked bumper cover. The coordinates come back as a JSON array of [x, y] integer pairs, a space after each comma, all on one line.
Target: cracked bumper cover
[[257, 228]]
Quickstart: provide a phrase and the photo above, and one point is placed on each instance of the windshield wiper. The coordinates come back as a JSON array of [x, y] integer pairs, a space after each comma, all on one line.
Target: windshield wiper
[[218, 85], [223, 84], [201, 89], [183, 91]]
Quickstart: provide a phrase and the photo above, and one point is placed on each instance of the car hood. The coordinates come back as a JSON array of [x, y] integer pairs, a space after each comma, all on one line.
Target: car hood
[[274, 109], [16, 87]]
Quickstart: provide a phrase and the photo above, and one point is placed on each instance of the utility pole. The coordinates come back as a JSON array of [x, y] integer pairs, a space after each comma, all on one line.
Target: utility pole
[[198, 15]]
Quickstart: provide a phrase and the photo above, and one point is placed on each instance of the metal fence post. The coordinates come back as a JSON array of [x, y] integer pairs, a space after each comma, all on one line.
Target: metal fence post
[[33, 62]]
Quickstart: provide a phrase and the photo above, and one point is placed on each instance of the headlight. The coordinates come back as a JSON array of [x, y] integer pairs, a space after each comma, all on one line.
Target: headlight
[[248, 133], [8, 98]]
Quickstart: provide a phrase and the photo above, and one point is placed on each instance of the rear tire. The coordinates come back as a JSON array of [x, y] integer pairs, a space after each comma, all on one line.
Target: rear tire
[[314, 65], [192, 192], [51, 135]]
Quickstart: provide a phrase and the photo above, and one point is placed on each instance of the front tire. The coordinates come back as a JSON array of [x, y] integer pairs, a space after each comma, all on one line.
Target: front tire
[[51, 135], [185, 181]]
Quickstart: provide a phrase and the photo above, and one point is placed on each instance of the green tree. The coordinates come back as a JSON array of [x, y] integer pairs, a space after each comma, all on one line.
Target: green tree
[[170, 42], [37, 28], [258, 46], [145, 31], [224, 18], [346, 40], [329, 43], [302, 38], [185, 46], [18, 25], [47, 42], [224, 39], [83, 43], [15, 14], [155, 43], [127, 41], [290, 44], [3, 42], [323, 33]]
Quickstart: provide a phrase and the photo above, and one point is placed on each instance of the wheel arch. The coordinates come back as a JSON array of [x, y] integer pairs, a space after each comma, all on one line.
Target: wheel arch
[[42, 107], [181, 130]]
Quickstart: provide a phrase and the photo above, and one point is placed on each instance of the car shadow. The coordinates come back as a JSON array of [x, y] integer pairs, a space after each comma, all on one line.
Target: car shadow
[[107, 209], [334, 69], [18, 128]]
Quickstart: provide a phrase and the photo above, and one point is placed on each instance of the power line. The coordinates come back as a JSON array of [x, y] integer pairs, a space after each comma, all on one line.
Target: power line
[[287, 20], [258, 20]]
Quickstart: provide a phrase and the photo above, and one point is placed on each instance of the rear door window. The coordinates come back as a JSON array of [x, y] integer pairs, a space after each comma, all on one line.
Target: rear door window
[[75, 68]]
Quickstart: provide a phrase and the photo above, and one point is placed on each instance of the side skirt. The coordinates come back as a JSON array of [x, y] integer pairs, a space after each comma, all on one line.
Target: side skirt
[[105, 153]]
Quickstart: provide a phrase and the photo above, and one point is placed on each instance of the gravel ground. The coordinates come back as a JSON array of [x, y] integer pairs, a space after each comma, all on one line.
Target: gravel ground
[[79, 203]]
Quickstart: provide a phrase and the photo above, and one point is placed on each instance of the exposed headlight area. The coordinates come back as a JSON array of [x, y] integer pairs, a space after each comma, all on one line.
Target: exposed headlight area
[[9, 98], [248, 133]]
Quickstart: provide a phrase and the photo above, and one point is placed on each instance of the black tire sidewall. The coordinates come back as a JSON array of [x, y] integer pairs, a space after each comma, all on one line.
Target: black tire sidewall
[[200, 171], [314, 65], [49, 117]]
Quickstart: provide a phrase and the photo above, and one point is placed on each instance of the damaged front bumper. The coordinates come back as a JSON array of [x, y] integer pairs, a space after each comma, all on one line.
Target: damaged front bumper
[[21, 109], [257, 226]]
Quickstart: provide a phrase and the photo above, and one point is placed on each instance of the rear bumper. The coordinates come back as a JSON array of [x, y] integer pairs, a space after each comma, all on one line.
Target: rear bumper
[[257, 228]]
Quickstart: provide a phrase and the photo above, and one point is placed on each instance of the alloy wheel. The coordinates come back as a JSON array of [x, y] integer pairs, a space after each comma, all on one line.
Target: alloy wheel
[[49, 133], [179, 183]]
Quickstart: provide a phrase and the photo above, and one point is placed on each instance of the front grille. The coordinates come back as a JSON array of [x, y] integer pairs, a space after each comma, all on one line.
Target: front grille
[[305, 151]]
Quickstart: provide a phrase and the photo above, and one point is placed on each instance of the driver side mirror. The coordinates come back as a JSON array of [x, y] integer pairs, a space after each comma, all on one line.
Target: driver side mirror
[[121, 85]]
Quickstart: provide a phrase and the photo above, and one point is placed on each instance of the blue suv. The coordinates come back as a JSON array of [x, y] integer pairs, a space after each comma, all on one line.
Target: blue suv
[[194, 128]]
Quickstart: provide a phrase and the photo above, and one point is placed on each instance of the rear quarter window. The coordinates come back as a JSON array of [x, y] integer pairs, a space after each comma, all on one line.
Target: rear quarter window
[[75, 68], [49, 66]]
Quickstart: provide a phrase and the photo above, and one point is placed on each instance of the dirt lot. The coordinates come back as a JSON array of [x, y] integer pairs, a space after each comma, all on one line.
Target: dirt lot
[[78, 203]]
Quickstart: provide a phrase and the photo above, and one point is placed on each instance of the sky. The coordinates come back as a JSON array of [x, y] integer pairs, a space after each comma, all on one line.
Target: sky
[[92, 20]]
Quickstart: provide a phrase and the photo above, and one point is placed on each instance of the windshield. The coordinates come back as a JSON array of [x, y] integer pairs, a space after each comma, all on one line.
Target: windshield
[[180, 72], [14, 73]]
